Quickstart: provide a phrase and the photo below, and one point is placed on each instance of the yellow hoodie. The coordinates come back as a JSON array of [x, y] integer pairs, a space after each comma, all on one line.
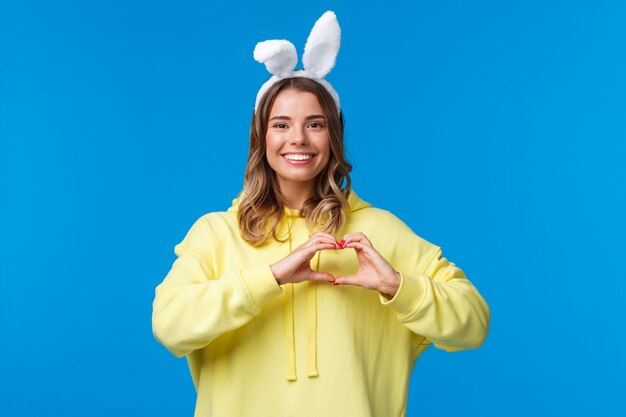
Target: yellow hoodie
[[310, 349]]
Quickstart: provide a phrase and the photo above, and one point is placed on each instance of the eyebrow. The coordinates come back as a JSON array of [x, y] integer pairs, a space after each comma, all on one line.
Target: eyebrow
[[313, 116]]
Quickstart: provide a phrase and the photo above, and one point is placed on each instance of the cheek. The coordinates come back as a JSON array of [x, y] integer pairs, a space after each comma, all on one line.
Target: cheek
[[324, 147], [273, 143], [271, 148]]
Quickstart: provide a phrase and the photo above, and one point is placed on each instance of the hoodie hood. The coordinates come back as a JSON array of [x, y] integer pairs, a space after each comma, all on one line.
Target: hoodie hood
[[292, 233], [354, 201]]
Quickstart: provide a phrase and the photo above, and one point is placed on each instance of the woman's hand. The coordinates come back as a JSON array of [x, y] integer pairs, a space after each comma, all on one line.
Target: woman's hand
[[374, 271], [296, 267]]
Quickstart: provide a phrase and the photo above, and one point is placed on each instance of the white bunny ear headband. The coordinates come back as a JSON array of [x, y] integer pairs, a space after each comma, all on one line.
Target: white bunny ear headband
[[320, 53]]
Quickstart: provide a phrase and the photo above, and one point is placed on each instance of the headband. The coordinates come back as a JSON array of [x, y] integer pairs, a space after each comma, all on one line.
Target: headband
[[320, 54]]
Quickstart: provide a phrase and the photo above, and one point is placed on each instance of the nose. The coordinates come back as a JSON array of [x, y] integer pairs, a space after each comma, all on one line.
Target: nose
[[299, 137]]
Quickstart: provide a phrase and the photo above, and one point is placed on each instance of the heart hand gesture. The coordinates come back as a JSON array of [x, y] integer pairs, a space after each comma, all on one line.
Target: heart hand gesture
[[296, 267], [374, 271]]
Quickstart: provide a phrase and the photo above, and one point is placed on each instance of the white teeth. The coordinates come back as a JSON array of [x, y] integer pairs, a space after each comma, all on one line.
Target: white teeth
[[298, 157]]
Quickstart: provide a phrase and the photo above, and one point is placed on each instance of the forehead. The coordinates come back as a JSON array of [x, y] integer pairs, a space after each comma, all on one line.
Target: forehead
[[294, 103]]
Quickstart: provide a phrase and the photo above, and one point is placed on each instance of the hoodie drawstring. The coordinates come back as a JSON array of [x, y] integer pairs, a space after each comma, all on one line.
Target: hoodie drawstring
[[289, 321], [288, 311], [289, 332], [312, 322]]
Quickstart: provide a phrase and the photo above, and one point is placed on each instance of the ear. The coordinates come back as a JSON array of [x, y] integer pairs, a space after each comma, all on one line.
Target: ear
[[320, 51], [279, 56]]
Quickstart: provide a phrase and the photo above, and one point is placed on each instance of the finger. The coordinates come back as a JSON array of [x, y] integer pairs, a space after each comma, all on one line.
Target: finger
[[321, 237], [326, 245], [347, 280], [369, 250], [321, 276], [311, 250], [304, 254], [322, 234], [318, 238], [327, 236], [356, 237]]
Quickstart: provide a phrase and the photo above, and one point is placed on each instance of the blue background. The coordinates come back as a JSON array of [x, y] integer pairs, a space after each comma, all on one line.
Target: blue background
[[494, 129]]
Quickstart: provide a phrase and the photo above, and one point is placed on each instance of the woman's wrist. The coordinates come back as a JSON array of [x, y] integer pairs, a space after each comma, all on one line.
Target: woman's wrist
[[389, 288], [276, 276]]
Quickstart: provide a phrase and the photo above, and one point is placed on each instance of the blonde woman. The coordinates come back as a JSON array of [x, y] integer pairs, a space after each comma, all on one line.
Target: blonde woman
[[302, 299]]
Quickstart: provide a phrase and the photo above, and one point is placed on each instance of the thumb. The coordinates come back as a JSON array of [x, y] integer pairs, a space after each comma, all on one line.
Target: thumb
[[347, 279], [320, 276]]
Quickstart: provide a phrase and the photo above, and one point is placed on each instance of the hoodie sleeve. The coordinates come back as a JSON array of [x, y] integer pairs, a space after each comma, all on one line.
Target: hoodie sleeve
[[435, 299], [192, 306]]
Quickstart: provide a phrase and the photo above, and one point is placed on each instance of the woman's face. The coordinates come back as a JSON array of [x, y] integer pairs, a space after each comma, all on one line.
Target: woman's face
[[297, 140]]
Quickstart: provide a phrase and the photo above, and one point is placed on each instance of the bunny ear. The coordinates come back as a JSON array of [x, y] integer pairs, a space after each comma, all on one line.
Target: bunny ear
[[279, 56], [320, 51]]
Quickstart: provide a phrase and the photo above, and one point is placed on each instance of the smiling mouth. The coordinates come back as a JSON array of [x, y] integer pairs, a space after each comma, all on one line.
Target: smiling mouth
[[298, 156]]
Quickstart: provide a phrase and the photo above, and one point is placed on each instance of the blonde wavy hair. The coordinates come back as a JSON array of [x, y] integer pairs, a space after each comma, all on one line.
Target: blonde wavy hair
[[262, 204]]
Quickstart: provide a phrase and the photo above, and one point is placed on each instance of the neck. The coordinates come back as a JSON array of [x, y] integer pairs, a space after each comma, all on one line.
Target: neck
[[295, 194]]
